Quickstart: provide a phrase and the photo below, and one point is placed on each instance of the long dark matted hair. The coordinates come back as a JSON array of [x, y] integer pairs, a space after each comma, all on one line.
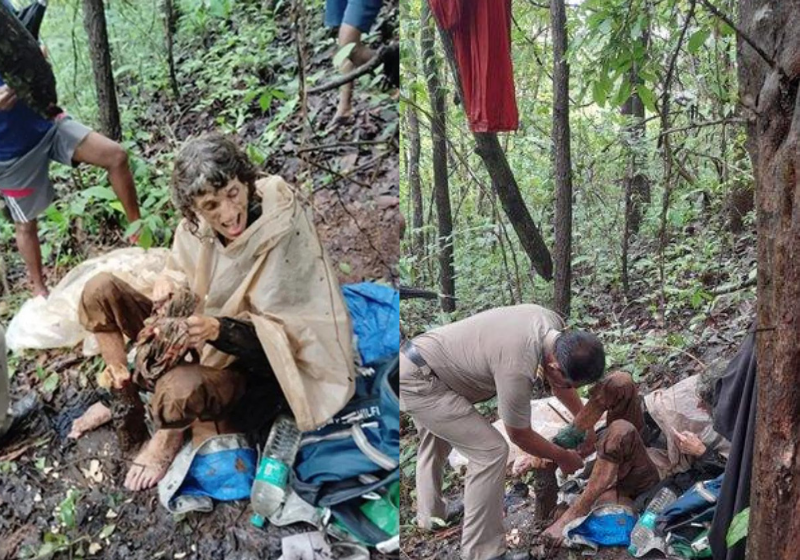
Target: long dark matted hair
[[204, 163]]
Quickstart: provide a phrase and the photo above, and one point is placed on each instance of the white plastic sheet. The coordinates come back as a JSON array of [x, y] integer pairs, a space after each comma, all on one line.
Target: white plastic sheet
[[53, 322]]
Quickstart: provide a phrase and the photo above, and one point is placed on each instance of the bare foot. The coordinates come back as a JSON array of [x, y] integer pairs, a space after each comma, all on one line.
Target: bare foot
[[154, 459], [94, 417], [115, 376]]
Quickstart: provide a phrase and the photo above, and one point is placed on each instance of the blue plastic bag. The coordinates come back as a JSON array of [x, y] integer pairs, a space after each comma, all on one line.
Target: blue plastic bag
[[375, 310], [222, 475], [606, 525]]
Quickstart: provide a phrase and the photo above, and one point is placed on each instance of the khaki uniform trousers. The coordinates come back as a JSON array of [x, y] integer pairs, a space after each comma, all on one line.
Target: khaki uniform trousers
[[445, 419]]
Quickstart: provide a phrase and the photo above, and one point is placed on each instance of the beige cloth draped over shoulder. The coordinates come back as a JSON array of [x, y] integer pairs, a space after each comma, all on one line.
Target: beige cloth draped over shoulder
[[278, 276]]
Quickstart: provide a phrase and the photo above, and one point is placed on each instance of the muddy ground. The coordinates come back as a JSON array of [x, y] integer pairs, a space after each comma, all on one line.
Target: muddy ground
[[66, 498]]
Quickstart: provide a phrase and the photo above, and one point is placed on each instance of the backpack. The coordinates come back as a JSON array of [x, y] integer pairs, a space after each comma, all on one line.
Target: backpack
[[687, 520], [354, 459]]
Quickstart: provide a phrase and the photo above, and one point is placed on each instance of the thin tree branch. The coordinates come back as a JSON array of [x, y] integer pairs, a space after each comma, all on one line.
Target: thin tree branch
[[746, 38], [732, 120]]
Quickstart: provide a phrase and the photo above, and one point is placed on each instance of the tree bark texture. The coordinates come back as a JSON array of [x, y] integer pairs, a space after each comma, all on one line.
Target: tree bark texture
[[545, 491], [24, 67], [170, 27], [774, 133], [440, 178], [505, 185], [562, 165], [94, 21], [415, 184], [635, 183]]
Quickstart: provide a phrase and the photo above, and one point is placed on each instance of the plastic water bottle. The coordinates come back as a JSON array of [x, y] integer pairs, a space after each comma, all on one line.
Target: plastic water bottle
[[272, 477], [643, 536]]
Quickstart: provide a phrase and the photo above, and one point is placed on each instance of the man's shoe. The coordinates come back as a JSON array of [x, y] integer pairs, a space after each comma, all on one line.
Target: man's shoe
[[513, 555], [21, 412], [454, 511]]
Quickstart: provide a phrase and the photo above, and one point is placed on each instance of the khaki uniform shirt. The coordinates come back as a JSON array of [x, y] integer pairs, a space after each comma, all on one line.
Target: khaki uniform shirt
[[496, 352]]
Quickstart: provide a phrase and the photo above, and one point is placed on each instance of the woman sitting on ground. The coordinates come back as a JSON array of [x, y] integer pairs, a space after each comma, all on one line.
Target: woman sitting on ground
[[270, 320]]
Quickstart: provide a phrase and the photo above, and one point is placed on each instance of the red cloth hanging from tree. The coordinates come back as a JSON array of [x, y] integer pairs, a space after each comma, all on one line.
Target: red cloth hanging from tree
[[481, 32]]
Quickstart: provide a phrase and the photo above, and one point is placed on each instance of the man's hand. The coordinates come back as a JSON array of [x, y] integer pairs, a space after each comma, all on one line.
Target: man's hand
[[8, 98], [569, 461], [689, 443], [162, 288], [202, 329]]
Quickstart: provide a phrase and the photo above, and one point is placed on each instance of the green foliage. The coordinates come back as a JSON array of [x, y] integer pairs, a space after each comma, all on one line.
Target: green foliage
[[738, 528], [608, 38], [65, 511]]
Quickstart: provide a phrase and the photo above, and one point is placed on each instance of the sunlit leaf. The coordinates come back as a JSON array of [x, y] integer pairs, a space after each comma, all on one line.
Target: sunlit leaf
[[343, 54], [697, 39], [738, 527]]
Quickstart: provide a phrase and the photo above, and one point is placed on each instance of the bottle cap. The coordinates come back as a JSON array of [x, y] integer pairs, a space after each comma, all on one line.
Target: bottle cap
[[257, 521]]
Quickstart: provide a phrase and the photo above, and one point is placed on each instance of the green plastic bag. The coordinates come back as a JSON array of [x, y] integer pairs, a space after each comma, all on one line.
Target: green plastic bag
[[569, 437]]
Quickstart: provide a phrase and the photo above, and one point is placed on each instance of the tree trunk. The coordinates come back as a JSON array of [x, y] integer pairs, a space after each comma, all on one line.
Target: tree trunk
[[170, 27], [773, 145], [636, 185], [440, 177], [562, 165], [24, 67], [503, 181], [545, 491], [94, 20], [505, 185], [414, 181]]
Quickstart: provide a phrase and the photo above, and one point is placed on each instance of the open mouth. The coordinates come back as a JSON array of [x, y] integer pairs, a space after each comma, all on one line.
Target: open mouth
[[236, 227]]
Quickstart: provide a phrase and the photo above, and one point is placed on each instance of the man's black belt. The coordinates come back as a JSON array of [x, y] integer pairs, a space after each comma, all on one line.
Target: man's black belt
[[410, 351]]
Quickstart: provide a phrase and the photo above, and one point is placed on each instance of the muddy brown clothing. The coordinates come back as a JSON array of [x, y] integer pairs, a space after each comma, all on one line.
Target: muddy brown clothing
[[190, 391], [674, 408], [622, 444], [496, 352]]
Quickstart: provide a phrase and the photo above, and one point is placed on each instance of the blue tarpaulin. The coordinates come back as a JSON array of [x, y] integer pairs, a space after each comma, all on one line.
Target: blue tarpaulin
[[221, 475], [375, 310], [608, 525]]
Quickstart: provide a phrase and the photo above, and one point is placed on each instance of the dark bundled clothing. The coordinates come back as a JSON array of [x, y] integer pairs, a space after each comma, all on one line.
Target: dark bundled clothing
[[239, 338], [735, 418]]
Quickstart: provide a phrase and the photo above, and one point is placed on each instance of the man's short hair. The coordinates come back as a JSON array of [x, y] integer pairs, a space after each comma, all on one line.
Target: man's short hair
[[581, 357]]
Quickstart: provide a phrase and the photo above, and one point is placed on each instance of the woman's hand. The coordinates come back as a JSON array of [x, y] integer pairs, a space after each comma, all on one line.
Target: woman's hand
[[202, 329], [689, 443]]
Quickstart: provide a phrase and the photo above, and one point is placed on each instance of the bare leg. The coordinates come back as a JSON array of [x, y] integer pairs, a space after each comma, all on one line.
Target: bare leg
[[28, 242], [112, 348], [153, 461], [98, 150], [358, 56]]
